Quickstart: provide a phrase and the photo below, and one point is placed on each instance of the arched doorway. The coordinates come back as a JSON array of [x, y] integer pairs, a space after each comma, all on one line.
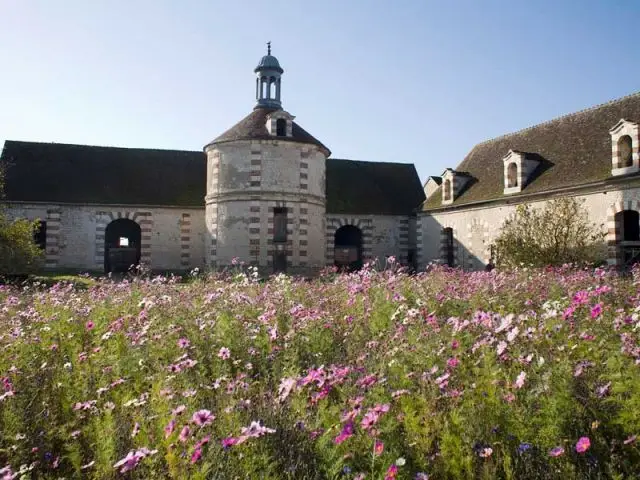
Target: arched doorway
[[122, 242], [628, 236], [348, 248]]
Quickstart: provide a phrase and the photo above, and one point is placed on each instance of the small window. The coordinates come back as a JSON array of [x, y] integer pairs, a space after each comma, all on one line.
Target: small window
[[625, 157], [123, 242], [279, 224], [281, 127], [512, 175], [447, 190], [40, 235], [448, 246]]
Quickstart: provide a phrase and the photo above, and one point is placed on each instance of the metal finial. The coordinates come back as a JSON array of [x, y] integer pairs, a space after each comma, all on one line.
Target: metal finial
[[268, 48]]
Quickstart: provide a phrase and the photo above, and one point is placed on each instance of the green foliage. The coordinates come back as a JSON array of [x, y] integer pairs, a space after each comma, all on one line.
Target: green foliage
[[557, 233], [19, 255]]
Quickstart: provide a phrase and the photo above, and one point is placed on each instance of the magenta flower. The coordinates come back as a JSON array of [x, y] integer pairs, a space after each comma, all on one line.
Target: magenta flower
[[392, 472], [453, 362], [583, 444], [202, 418], [347, 432], [556, 452], [184, 434], [183, 343], [89, 325], [229, 442], [596, 310], [197, 453], [224, 353], [378, 448], [168, 430]]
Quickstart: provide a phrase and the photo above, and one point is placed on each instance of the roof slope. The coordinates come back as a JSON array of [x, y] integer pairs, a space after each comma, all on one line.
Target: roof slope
[[54, 172], [572, 150], [254, 127], [372, 187], [63, 173]]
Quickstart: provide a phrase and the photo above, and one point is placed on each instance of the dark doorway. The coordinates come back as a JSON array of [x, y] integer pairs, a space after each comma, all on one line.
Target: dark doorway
[[40, 235], [448, 246], [348, 248], [122, 241], [628, 236], [280, 260]]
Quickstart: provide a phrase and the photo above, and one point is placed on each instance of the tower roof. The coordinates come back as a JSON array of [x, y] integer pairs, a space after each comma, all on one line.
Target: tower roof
[[269, 62], [254, 127]]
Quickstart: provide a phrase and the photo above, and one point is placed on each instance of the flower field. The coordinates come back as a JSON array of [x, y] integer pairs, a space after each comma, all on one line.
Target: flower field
[[442, 375]]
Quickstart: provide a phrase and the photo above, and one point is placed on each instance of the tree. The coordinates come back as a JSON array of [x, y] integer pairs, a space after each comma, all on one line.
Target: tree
[[19, 255], [557, 233]]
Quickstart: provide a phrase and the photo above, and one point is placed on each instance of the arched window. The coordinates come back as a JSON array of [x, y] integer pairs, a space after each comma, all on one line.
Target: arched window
[[447, 190], [281, 127], [512, 175], [625, 157]]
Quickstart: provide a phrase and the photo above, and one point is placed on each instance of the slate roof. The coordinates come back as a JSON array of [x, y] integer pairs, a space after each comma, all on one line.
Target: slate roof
[[372, 187], [254, 127], [55, 172], [63, 173], [572, 150]]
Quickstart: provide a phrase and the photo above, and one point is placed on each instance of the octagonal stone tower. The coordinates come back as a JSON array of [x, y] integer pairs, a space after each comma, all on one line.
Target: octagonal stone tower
[[265, 202]]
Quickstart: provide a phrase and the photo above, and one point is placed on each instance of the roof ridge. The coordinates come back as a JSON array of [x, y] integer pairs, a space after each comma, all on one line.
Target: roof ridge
[[65, 144], [561, 117], [370, 161]]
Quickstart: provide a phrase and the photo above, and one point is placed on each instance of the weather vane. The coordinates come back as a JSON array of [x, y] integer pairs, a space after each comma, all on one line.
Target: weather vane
[[268, 48]]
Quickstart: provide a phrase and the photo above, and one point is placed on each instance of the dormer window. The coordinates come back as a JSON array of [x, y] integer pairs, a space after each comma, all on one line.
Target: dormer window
[[452, 185], [280, 124], [518, 167], [512, 175], [447, 190], [624, 148]]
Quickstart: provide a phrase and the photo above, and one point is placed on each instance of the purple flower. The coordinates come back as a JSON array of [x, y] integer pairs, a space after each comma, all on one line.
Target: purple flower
[[202, 418], [583, 445]]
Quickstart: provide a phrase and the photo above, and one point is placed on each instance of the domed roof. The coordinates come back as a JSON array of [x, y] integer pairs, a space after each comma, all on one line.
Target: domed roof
[[269, 62]]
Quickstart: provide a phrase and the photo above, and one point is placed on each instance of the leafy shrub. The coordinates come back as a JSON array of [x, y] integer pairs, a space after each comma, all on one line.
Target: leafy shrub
[[557, 233], [19, 255]]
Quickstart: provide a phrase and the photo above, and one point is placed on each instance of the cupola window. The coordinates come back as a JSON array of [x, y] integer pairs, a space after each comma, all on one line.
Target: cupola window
[[281, 127], [453, 184]]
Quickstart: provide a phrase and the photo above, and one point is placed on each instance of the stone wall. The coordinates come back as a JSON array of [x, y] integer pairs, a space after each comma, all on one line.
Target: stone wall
[[246, 180], [383, 236], [475, 229], [172, 238]]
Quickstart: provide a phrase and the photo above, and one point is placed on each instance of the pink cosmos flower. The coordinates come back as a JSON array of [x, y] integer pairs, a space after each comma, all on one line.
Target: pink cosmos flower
[[378, 448], [136, 430], [392, 472], [224, 353], [502, 346], [596, 310], [453, 362], [197, 453], [89, 325], [178, 410], [583, 444], [556, 452], [168, 430], [486, 452], [202, 418], [184, 434], [630, 439], [347, 432], [520, 380], [133, 458], [183, 343], [229, 442]]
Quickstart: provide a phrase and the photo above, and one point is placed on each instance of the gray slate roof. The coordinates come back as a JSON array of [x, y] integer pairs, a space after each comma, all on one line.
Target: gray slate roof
[[63, 173], [572, 150], [254, 127]]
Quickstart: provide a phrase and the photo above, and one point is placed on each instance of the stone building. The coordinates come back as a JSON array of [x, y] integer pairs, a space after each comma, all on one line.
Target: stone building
[[591, 155], [265, 192]]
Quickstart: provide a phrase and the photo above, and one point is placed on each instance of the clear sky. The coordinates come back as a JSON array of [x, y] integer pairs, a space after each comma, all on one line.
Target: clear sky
[[403, 81]]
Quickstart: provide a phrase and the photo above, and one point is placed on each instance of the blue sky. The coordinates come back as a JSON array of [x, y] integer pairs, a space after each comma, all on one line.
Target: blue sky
[[403, 81]]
